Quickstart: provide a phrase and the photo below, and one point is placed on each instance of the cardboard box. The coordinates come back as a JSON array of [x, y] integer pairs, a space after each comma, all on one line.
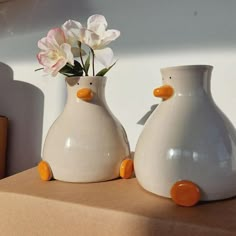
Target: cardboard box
[[29, 206]]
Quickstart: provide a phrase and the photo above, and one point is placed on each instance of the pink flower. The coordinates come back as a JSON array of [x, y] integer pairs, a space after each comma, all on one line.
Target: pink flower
[[56, 52]]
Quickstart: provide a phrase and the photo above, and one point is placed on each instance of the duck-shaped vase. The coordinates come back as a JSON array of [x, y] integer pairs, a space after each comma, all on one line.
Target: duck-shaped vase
[[187, 149], [86, 143]]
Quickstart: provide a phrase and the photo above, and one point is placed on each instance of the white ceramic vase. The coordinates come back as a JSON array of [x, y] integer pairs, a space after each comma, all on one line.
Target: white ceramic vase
[[187, 149], [86, 143]]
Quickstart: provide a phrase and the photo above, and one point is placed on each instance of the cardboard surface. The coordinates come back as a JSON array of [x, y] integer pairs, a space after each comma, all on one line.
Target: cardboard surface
[[29, 206]]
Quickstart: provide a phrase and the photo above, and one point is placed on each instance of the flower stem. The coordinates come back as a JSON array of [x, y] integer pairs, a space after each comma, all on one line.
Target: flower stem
[[81, 58], [93, 61]]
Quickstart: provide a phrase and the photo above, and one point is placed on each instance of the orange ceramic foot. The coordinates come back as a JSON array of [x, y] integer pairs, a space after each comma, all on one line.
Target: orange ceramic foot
[[185, 193], [44, 171], [126, 169]]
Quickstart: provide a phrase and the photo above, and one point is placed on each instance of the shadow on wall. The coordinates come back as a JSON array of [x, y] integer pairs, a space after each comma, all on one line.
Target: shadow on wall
[[23, 104]]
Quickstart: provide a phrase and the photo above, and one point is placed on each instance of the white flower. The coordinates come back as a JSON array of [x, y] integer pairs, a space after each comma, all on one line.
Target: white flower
[[97, 24], [96, 36], [71, 35], [71, 30]]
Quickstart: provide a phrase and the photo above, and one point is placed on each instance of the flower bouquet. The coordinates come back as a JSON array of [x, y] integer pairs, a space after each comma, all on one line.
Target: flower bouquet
[[73, 40]]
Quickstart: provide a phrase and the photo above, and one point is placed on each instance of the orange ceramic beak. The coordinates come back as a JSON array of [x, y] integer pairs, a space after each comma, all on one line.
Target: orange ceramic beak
[[85, 94], [165, 92]]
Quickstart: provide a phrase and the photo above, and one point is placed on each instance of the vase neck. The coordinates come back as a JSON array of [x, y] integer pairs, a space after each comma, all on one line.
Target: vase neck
[[95, 84], [188, 79]]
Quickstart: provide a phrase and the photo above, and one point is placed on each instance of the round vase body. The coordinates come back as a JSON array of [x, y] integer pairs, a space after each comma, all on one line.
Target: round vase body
[[86, 143], [188, 138]]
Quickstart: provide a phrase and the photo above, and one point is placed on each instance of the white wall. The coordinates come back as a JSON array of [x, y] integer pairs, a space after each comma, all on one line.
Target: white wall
[[154, 34]]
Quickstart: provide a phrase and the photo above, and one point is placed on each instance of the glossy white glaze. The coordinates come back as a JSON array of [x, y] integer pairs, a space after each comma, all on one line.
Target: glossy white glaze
[[188, 138], [86, 143]]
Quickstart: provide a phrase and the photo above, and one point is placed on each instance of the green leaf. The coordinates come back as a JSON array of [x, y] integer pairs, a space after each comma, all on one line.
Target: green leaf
[[66, 69], [38, 69], [105, 70], [67, 74], [70, 70], [78, 67], [87, 65]]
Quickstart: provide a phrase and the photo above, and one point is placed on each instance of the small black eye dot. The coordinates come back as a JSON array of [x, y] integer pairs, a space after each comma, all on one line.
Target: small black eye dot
[[90, 83], [170, 77], [78, 83]]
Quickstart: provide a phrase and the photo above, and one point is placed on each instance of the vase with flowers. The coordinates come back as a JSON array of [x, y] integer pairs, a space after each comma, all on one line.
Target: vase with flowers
[[86, 143]]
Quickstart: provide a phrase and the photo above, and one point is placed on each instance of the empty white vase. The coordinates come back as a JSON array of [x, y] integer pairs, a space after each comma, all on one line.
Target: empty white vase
[[86, 143], [187, 149]]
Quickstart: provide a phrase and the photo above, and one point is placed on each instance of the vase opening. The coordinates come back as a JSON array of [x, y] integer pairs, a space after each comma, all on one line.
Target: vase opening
[[188, 67]]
